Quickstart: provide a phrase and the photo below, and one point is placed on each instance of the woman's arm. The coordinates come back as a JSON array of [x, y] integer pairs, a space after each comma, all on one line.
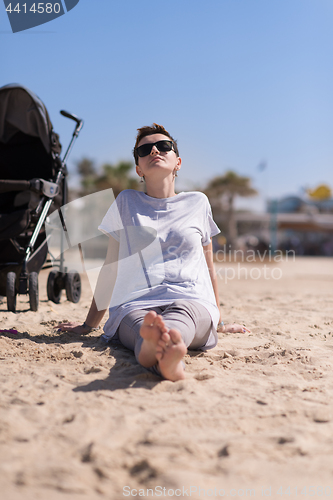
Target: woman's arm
[[103, 292], [231, 328], [208, 251]]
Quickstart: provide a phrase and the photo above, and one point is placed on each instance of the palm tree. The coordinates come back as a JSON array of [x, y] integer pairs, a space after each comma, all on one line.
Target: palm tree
[[116, 177], [222, 191], [86, 168]]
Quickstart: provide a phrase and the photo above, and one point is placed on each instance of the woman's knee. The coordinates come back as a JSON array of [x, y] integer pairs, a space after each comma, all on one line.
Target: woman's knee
[[191, 308], [181, 306]]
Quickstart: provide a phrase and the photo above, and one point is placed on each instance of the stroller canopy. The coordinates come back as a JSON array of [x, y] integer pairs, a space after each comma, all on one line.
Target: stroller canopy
[[22, 111]]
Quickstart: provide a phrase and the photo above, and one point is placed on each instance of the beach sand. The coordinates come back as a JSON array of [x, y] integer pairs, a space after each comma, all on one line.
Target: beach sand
[[79, 420]]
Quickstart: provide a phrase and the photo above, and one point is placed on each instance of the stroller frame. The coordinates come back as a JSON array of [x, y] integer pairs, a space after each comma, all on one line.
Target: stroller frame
[[62, 173], [27, 282]]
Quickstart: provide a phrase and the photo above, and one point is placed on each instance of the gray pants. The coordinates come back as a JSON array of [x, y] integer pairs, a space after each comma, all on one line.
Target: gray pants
[[188, 316]]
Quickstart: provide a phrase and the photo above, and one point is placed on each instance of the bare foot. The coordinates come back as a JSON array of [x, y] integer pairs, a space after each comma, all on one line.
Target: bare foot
[[169, 354], [153, 329]]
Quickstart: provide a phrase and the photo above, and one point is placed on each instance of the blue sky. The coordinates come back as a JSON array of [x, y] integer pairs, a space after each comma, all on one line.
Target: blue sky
[[237, 82]]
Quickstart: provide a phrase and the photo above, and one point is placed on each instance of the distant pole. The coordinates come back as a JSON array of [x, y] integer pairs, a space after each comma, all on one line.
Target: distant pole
[[273, 225], [262, 169]]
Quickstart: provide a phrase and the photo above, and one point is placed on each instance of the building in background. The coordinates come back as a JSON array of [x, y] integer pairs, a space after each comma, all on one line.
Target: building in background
[[301, 224]]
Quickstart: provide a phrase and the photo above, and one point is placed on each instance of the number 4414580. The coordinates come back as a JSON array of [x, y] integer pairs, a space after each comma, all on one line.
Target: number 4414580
[[49, 8]]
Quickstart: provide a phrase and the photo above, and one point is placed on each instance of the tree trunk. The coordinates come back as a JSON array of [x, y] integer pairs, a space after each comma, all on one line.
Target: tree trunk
[[232, 225]]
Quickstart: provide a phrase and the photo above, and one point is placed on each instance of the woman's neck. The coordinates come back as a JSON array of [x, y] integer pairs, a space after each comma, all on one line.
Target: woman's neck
[[164, 190]]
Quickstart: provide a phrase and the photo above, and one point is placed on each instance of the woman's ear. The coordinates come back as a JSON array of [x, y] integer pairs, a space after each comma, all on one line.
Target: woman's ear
[[179, 162], [138, 171]]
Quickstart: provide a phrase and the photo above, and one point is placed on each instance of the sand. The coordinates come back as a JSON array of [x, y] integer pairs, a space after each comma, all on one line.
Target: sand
[[254, 416]]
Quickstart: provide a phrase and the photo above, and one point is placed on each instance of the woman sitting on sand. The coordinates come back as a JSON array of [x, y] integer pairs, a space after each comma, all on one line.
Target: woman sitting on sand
[[176, 306]]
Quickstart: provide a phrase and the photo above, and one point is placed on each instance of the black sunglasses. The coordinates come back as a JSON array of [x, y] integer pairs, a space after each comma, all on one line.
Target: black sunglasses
[[162, 146]]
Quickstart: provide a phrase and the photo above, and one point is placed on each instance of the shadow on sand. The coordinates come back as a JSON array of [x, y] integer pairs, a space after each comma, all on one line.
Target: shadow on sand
[[125, 372]]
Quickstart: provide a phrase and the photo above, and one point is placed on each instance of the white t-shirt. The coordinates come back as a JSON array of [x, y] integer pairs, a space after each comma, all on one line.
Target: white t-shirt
[[161, 258]]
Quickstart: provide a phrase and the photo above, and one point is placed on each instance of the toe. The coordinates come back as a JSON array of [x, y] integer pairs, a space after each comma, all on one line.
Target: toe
[[175, 336], [165, 337], [162, 344], [159, 349], [149, 318], [159, 322]]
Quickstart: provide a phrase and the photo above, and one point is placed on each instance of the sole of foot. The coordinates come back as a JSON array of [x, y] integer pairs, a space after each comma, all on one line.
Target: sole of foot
[[153, 329], [169, 354]]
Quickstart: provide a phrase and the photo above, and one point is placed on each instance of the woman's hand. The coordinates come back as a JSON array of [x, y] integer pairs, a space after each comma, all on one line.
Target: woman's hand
[[73, 327], [233, 328]]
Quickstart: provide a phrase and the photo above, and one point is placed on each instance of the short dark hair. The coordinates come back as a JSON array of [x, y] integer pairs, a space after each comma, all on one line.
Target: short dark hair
[[153, 129]]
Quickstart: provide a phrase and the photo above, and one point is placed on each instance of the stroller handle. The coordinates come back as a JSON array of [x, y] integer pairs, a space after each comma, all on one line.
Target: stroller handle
[[73, 117], [79, 125]]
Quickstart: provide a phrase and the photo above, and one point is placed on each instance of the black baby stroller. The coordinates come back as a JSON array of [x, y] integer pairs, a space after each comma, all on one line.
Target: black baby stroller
[[32, 185]]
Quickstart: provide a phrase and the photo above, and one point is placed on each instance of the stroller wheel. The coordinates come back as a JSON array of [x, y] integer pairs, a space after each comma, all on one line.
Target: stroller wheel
[[54, 287], [73, 287], [11, 292], [33, 291]]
